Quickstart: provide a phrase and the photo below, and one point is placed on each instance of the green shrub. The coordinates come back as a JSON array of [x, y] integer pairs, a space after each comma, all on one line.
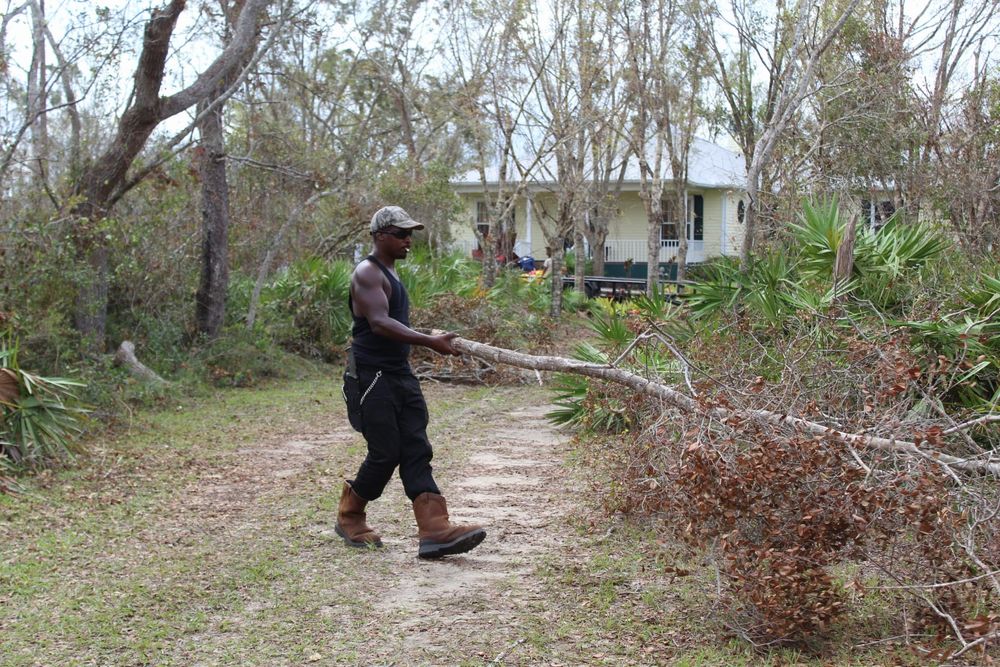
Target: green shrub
[[42, 424], [886, 260], [426, 275], [241, 358], [313, 293], [962, 347]]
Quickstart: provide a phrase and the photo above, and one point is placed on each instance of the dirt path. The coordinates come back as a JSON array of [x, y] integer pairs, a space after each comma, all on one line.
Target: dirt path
[[498, 461], [512, 481]]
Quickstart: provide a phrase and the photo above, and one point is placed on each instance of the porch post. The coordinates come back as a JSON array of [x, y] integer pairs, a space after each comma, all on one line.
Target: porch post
[[688, 228], [527, 221]]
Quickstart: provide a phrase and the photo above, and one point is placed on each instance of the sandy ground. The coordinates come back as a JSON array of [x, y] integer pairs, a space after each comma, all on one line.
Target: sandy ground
[[513, 484]]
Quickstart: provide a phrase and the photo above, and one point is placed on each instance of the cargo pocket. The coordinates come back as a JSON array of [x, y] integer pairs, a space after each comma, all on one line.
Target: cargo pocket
[[352, 396]]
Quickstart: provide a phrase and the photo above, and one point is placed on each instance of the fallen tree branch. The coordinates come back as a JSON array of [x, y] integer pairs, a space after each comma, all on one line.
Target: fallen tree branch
[[688, 404], [986, 419]]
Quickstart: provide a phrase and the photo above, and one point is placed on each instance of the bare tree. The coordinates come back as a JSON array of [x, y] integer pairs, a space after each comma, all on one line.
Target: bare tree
[[27, 110], [101, 182], [69, 104], [564, 82], [958, 36], [38, 94], [210, 299], [966, 168], [681, 109], [491, 108], [649, 34], [785, 56], [605, 102]]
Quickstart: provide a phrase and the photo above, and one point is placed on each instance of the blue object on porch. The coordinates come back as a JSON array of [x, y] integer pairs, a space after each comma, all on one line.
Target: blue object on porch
[[527, 263]]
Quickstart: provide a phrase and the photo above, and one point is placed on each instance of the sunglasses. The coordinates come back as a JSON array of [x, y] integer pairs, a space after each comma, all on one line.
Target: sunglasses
[[399, 233]]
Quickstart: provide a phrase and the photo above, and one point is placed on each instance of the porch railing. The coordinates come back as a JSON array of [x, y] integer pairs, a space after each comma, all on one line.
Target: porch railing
[[620, 250]]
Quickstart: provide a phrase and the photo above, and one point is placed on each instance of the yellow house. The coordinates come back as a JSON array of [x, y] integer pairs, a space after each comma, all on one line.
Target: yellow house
[[714, 215]]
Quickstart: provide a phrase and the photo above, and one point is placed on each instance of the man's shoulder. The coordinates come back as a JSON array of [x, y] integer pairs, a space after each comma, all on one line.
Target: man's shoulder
[[368, 271], [366, 266]]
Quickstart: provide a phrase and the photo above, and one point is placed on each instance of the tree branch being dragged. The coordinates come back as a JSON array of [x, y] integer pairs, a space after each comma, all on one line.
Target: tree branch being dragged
[[723, 414]]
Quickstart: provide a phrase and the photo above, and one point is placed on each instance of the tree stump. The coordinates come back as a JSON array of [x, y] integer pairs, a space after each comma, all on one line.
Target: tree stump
[[125, 356]]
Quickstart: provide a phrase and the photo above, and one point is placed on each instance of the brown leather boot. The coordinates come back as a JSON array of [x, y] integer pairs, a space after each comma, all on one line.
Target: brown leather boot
[[351, 524], [438, 536]]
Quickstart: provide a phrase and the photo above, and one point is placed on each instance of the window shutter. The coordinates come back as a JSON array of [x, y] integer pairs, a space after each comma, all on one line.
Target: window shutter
[[699, 218]]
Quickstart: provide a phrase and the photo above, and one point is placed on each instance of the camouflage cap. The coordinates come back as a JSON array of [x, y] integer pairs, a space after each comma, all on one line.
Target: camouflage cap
[[393, 216]]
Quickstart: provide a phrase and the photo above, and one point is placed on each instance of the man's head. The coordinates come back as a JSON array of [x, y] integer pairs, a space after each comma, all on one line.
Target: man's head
[[392, 228]]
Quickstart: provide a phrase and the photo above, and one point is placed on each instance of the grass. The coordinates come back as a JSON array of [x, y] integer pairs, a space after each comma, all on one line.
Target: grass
[[100, 565]]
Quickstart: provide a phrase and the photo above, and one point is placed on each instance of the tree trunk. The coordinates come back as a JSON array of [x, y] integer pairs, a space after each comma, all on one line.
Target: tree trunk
[[125, 357], [98, 182], [579, 260], [598, 239], [97, 188], [749, 222], [210, 300], [75, 124], [844, 264], [558, 252], [91, 312], [682, 229], [654, 213], [489, 259], [38, 95]]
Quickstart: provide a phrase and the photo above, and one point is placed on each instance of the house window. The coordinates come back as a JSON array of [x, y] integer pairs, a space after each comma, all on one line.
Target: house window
[[741, 211], [482, 218], [668, 231], [887, 209], [876, 214], [694, 226]]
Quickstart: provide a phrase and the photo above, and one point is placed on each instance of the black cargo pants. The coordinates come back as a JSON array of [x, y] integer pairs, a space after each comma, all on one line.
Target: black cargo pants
[[394, 423]]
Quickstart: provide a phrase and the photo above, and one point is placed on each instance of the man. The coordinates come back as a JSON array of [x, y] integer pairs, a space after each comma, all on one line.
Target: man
[[385, 402]]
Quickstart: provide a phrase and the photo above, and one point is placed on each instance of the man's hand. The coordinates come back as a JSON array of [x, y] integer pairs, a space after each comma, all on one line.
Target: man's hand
[[441, 344]]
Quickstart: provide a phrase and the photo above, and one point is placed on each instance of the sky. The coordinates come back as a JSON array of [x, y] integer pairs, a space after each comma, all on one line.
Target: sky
[[111, 25], [71, 20]]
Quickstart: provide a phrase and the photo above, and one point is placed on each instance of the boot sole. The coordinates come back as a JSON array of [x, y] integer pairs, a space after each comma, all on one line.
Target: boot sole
[[460, 545], [354, 543]]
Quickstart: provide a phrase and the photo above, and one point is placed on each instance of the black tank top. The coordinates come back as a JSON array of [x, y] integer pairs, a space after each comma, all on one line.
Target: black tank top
[[369, 348]]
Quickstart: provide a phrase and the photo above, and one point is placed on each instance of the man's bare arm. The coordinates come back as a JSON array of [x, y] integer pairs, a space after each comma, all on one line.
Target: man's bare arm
[[371, 302]]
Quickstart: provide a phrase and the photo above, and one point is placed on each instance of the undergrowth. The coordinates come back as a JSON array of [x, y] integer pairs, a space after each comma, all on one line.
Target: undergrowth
[[807, 534]]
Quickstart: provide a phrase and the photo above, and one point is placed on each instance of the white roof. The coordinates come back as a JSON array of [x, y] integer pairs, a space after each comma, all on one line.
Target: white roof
[[710, 166]]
